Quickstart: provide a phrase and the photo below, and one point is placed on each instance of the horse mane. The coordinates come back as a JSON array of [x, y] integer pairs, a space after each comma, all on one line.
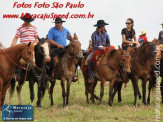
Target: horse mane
[[39, 55], [111, 53]]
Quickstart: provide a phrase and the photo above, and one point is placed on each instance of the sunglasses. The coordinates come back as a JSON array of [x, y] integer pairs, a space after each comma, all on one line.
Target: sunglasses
[[128, 23]]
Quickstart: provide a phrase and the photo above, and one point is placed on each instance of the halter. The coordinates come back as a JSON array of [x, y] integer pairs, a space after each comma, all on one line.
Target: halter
[[74, 52]]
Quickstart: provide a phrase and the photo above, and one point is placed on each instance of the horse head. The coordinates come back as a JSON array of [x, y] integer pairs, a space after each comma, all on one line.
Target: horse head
[[46, 47], [28, 54], [125, 60], [75, 47]]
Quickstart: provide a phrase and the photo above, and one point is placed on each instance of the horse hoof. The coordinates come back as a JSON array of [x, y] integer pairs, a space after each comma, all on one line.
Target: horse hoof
[[120, 101], [110, 104], [135, 105], [38, 106]]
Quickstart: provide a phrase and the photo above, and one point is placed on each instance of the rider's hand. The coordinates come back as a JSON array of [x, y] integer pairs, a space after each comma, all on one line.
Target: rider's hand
[[60, 46], [102, 48]]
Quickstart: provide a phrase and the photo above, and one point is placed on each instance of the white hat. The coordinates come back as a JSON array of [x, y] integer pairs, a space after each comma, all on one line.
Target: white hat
[[161, 23], [143, 32]]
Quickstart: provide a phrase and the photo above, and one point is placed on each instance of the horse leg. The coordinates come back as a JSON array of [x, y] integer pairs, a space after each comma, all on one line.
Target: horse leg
[[144, 81], [11, 90], [4, 90], [68, 91], [1, 87], [135, 86], [86, 88], [115, 90], [161, 88], [139, 94], [101, 91], [38, 95], [149, 92], [32, 95], [95, 83], [51, 92], [119, 87], [63, 91], [111, 92]]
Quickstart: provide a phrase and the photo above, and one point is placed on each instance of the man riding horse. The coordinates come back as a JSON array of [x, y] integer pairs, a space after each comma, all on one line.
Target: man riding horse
[[100, 41], [57, 38]]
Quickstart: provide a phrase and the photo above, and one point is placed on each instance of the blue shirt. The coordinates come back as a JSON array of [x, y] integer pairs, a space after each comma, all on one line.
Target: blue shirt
[[59, 36], [100, 40]]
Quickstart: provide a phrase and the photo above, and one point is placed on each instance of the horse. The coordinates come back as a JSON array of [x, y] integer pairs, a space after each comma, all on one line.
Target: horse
[[36, 74], [65, 68], [142, 67], [106, 70], [9, 59]]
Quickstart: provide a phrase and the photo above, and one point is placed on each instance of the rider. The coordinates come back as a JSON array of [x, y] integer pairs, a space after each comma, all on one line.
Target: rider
[[128, 34], [100, 40], [142, 38], [160, 37], [57, 37], [26, 32]]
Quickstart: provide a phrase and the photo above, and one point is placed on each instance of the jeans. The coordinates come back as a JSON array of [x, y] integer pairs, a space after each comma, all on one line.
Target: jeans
[[90, 72]]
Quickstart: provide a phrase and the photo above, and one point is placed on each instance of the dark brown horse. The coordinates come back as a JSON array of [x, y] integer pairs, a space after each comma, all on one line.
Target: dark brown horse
[[65, 69], [9, 59], [107, 70]]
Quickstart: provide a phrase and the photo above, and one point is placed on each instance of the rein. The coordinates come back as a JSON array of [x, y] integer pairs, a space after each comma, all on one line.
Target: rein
[[21, 67]]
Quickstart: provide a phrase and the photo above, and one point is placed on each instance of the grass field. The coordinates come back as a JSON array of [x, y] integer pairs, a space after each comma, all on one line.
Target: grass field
[[78, 110]]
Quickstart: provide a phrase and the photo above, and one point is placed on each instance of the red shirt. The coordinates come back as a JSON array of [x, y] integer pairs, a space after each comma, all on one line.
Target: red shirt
[[143, 39], [26, 34]]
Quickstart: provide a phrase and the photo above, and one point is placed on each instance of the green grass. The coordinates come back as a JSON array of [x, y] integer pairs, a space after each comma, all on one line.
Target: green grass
[[79, 110]]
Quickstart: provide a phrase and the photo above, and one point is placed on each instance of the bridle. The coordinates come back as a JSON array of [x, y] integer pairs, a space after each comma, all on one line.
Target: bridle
[[75, 52], [21, 67], [124, 55]]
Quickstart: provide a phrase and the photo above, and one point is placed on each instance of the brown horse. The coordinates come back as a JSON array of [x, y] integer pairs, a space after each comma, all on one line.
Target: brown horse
[[9, 59], [66, 68], [107, 70], [143, 62]]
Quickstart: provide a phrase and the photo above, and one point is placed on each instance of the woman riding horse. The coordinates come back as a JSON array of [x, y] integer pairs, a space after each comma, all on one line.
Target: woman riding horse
[[100, 41]]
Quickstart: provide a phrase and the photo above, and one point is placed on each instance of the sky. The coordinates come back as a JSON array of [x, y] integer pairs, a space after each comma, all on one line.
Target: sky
[[147, 15]]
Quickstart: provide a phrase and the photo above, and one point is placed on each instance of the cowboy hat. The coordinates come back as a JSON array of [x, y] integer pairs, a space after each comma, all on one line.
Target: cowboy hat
[[58, 20], [143, 32], [161, 23], [27, 18], [100, 23]]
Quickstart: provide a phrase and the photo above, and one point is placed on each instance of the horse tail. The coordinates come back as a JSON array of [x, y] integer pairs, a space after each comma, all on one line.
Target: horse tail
[[12, 87], [153, 78]]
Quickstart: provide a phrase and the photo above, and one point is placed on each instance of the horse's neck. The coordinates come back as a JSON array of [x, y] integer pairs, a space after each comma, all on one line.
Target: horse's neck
[[70, 59], [14, 53], [114, 60]]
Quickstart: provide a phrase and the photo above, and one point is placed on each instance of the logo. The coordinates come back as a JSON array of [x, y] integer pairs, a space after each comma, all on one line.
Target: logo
[[17, 112]]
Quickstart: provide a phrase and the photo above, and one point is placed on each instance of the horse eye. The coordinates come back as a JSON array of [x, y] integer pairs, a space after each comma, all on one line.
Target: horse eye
[[29, 53]]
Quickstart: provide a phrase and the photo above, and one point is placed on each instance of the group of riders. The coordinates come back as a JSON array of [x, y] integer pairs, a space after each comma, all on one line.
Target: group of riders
[[58, 35]]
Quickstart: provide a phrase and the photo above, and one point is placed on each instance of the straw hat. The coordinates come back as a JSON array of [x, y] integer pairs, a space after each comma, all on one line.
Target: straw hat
[[161, 23], [143, 32]]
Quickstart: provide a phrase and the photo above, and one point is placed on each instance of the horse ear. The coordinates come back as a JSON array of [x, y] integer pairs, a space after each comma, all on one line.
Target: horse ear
[[47, 37], [120, 48], [75, 37], [38, 38], [29, 44], [71, 39]]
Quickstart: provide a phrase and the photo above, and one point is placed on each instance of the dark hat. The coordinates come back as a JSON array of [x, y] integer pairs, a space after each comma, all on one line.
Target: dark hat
[[100, 23], [27, 18], [58, 20]]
